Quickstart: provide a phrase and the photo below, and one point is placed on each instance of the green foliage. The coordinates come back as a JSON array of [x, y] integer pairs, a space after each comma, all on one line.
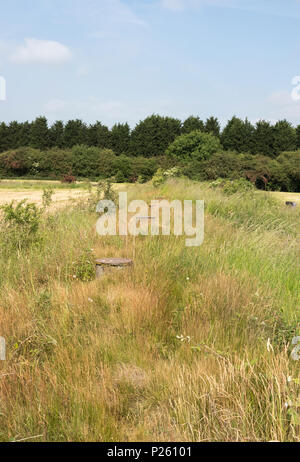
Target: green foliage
[[105, 190], [194, 146], [47, 197], [120, 177], [20, 224], [75, 133], [264, 139], [212, 126], [120, 138], [285, 172], [191, 124], [237, 186], [297, 137], [152, 136], [173, 172], [285, 138], [56, 135], [159, 178], [238, 135], [83, 269], [39, 135]]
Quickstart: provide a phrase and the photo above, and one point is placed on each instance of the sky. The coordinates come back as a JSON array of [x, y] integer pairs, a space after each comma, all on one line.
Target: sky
[[122, 60]]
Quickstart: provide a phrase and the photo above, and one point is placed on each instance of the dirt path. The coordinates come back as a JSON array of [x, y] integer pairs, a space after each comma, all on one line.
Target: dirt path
[[60, 198]]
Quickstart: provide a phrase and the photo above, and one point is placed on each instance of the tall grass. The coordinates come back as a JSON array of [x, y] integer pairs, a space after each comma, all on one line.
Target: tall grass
[[191, 344]]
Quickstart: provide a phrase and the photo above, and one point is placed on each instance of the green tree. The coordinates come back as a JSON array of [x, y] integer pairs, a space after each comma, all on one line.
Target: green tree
[[3, 137], [120, 138], [285, 138], [56, 134], [212, 125], [191, 124], [39, 133], [298, 136], [263, 142], [76, 132], [14, 135], [195, 146], [238, 135], [152, 136], [98, 135], [25, 131]]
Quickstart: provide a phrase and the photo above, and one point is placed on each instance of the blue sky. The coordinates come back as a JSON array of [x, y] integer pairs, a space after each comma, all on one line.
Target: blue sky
[[121, 60]]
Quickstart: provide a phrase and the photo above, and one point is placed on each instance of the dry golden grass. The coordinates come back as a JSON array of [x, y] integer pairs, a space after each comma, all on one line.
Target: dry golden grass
[[102, 361]]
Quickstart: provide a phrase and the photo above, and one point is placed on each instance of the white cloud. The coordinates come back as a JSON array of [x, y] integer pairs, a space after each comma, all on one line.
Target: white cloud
[[41, 51], [282, 106]]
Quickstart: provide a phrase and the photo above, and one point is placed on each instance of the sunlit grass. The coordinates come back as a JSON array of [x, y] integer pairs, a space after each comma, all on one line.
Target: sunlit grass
[[174, 349]]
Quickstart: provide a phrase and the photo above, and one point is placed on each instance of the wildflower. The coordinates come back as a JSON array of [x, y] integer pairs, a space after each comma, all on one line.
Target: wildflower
[[290, 379], [187, 279], [90, 300], [288, 404], [183, 339], [74, 276]]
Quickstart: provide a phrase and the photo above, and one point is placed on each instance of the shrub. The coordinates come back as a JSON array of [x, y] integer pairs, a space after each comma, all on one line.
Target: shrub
[[285, 172], [159, 178], [47, 197], [233, 186], [120, 178], [20, 224], [84, 267], [173, 172], [194, 146], [70, 179]]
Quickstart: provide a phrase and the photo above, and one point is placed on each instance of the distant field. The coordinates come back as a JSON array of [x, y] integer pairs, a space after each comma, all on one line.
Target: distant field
[[285, 196], [18, 190]]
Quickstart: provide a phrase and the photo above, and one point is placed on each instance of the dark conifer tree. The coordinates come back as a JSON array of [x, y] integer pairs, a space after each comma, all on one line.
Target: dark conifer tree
[[152, 136], [76, 132], [263, 139], [39, 134], [57, 134], [191, 124], [212, 126], [238, 135], [3, 137], [120, 138], [285, 138]]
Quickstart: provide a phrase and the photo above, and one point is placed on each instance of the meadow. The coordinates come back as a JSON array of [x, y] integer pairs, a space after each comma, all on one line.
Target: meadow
[[191, 344]]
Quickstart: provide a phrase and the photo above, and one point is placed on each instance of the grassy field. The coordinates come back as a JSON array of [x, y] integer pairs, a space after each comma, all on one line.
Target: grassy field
[[191, 344]]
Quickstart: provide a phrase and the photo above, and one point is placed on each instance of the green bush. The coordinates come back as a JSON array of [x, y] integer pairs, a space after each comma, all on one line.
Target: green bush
[[83, 268], [285, 172], [20, 225], [159, 178], [237, 186], [194, 146], [231, 187]]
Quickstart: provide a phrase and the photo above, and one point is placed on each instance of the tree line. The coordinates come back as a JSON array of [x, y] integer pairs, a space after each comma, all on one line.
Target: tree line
[[152, 136]]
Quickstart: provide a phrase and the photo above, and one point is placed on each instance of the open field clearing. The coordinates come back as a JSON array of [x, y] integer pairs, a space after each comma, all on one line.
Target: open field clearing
[[60, 198], [285, 196], [190, 344]]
